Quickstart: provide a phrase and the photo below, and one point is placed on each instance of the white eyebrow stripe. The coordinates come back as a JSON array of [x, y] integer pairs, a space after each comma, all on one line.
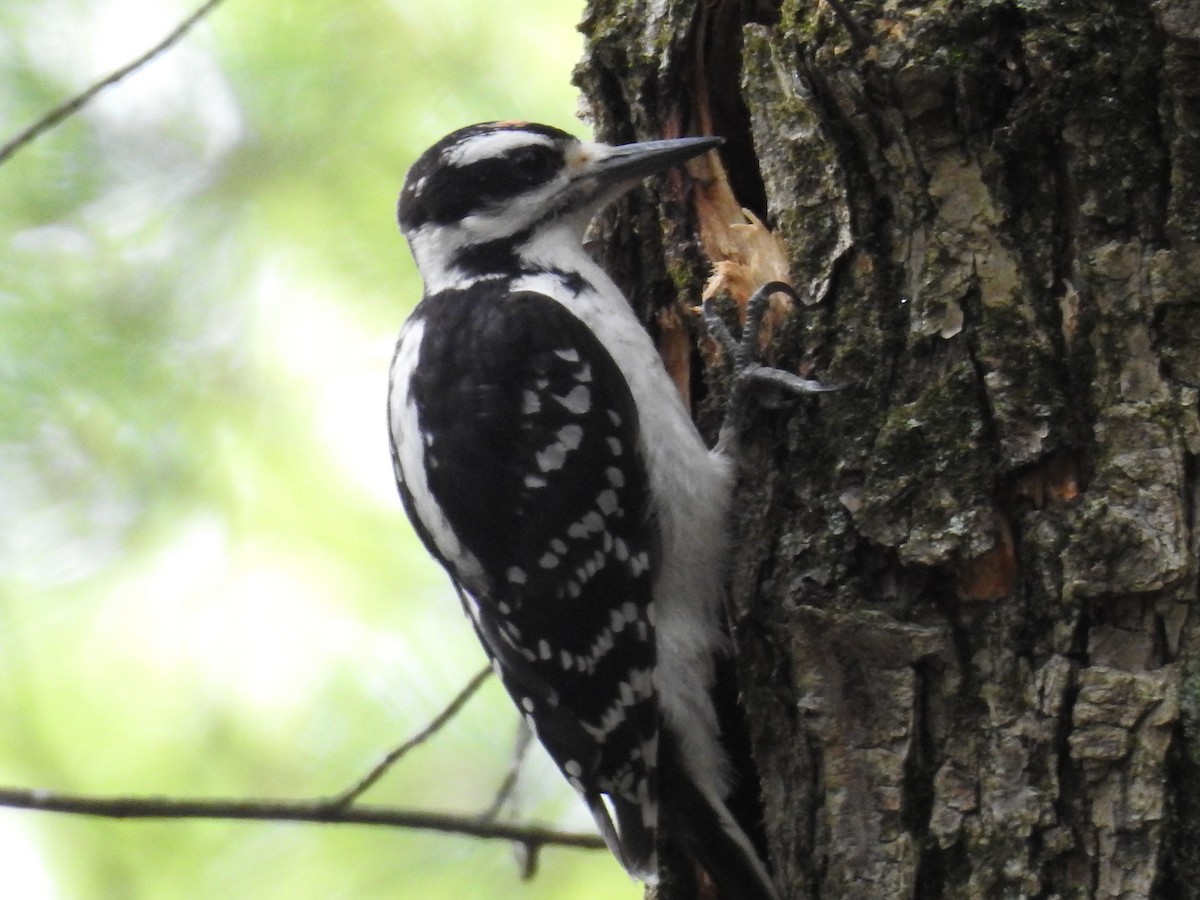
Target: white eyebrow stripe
[[493, 144]]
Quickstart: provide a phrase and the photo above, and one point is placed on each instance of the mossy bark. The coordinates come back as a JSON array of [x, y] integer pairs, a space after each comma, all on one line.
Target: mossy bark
[[965, 591]]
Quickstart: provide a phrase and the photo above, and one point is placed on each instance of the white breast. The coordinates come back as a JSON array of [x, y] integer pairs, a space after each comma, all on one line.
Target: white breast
[[691, 486]]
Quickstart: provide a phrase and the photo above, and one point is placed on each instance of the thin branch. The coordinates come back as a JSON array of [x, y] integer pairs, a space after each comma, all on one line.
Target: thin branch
[[337, 810], [318, 811], [356, 790], [509, 784], [73, 105]]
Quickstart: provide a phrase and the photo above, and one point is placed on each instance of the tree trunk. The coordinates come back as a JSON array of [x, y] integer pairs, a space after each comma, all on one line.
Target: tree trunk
[[964, 595]]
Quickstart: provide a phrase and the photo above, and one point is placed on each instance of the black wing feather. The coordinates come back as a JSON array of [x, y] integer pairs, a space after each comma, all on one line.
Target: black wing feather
[[531, 451]]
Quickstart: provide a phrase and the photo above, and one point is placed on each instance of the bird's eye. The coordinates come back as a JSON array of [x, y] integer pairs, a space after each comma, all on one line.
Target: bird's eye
[[533, 162]]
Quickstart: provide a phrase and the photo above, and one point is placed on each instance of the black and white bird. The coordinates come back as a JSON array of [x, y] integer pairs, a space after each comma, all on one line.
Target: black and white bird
[[548, 463]]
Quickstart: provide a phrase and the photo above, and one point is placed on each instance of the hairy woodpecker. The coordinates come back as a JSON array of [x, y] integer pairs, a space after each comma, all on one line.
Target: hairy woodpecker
[[548, 463]]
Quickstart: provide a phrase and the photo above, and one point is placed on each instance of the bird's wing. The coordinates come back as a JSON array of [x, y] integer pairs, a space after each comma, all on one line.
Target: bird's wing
[[529, 448]]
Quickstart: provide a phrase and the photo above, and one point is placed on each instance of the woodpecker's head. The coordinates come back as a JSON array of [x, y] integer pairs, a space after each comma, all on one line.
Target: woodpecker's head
[[484, 191]]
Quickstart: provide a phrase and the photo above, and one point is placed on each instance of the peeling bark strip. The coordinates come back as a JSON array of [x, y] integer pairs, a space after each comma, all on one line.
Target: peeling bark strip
[[965, 601]]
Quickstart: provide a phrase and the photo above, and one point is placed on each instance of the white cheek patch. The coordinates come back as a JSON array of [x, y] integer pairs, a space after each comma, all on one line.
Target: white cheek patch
[[433, 249], [516, 214]]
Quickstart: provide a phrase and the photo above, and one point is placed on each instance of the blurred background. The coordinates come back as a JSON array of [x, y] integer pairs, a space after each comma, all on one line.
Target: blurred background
[[207, 584]]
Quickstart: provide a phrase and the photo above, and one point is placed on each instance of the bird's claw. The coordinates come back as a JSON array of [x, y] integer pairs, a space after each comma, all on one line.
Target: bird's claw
[[744, 354]]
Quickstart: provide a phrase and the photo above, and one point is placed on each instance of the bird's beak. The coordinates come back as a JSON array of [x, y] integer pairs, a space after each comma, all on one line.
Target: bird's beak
[[603, 171]]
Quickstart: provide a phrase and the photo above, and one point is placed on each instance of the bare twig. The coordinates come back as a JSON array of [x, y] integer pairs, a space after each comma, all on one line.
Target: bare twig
[[356, 790], [73, 105], [318, 811], [338, 810], [520, 751]]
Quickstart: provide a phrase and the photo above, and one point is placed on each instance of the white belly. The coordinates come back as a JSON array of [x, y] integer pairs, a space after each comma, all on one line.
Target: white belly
[[692, 486]]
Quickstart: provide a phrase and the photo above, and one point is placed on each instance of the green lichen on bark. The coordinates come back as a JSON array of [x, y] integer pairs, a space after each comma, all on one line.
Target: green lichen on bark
[[995, 299], [927, 485], [966, 591], [799, 164]]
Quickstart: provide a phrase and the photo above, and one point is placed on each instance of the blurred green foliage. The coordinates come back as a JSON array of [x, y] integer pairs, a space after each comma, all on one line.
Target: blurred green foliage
[[207, 586]]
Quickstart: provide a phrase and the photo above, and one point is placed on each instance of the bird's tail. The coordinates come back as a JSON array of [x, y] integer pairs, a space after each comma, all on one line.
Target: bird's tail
[[630, 838], [707, 832]]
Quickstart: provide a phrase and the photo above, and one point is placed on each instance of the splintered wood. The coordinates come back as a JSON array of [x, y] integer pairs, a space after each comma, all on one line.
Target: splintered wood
[[745, 254]]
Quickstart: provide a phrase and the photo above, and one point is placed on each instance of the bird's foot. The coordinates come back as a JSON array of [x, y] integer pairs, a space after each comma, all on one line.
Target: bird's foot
[[744, 354]]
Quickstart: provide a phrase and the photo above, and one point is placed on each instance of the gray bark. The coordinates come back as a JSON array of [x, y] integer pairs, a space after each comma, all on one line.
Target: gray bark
[[965, 589]]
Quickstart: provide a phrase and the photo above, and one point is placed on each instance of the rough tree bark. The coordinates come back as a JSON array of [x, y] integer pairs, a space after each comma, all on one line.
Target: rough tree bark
[[965, 594]]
